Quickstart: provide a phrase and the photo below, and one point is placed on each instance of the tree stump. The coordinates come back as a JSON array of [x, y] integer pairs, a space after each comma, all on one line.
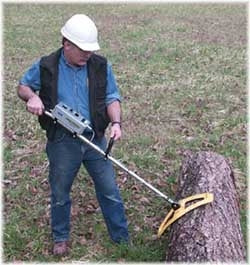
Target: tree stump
[[212, 232]]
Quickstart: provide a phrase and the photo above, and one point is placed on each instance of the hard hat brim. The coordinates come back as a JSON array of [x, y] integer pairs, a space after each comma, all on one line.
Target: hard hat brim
[[83, 46]]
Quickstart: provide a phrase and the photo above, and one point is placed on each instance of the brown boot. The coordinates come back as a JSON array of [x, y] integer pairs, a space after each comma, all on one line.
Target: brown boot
[[61, 248]]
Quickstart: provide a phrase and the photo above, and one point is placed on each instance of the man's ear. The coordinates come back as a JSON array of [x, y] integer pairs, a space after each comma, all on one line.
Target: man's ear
[[67, 45]]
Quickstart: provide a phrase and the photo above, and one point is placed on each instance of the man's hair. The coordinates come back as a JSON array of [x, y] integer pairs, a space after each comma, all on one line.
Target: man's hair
[[63, 40]]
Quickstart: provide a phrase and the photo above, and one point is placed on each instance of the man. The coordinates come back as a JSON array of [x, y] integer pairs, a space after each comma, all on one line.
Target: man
[[79, 78]]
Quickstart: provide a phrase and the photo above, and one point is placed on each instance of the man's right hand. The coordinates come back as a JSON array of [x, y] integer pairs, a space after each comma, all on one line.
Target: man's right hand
[[33, 102], [35, 106]]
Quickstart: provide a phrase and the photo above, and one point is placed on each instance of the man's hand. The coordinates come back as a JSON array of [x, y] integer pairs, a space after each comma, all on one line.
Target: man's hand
[[35, 106], [33, 102], [114, 112], [116, 131]]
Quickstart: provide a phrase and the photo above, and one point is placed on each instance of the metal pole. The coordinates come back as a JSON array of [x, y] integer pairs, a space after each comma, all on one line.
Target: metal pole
[[119, 164]]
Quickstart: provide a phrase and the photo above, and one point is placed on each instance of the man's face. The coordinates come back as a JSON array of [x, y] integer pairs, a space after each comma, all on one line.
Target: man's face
[[75, 55]]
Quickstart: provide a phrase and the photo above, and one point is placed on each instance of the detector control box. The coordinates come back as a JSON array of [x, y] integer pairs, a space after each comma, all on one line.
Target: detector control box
[[70, 119]]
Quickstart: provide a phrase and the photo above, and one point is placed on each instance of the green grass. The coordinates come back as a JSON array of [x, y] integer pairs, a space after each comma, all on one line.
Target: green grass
[[181, 69]]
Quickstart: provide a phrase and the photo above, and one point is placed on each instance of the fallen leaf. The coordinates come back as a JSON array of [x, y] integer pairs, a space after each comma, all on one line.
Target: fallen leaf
[[137, 228], [75, 211], [82, 193], [144, 200], [83, 241], [90, 209]]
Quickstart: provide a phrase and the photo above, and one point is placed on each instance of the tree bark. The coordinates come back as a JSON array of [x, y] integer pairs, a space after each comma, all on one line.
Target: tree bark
[[212, 232]]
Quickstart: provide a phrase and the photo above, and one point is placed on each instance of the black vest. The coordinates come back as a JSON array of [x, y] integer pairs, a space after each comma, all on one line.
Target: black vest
[[97, 77]]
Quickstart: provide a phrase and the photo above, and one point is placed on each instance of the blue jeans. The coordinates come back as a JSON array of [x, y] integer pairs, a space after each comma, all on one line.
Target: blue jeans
[[66, 154]]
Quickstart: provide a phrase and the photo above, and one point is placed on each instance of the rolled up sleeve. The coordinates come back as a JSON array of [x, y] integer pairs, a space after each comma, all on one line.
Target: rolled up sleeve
[[31, 77], [113, 93]]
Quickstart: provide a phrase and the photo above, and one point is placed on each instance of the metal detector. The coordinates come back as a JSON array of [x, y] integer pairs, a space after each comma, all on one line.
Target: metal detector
[[78, 125]]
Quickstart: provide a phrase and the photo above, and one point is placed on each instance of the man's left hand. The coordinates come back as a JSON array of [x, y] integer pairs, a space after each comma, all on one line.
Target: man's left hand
[[116, 131]]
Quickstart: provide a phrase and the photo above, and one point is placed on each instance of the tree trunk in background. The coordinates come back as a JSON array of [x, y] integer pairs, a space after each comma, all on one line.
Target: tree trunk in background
[[210, 233]]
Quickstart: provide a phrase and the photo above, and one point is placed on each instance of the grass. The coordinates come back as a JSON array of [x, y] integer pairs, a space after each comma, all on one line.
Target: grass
[[181, 69]]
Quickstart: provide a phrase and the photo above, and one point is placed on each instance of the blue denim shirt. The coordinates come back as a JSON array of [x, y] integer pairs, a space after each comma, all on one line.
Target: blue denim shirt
[[73, 87]]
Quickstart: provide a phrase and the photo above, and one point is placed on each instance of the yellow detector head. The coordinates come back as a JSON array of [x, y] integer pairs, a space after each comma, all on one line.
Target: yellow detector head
[[193, 202]]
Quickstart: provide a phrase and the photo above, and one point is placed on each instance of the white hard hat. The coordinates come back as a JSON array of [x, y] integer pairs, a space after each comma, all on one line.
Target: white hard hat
[[81, 30]]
